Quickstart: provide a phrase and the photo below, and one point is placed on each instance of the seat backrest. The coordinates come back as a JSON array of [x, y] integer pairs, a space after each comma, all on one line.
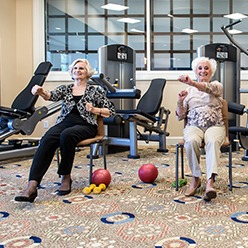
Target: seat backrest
[[99, 136], [25, 101], [150, 102]]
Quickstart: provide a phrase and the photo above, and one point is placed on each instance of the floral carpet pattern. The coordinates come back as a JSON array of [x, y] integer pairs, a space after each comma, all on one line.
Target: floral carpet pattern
[[129, 213]]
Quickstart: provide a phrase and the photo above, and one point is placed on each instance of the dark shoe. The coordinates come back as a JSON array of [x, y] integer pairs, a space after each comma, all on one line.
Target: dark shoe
[[64, 192], [191, 191], [23, 198], [210, 194]]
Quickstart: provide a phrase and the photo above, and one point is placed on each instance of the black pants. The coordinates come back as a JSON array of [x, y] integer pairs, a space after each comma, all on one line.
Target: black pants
[[62, 135]]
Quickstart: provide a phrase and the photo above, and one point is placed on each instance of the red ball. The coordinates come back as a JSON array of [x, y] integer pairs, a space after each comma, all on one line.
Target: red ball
[[148, 173], [101, 176]]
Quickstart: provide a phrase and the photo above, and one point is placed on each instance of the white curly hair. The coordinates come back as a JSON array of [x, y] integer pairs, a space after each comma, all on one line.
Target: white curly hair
[[199, 60]]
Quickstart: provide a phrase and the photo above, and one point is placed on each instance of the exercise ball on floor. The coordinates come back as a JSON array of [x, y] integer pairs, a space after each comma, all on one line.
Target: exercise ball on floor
[[148, 173], [101, 176]]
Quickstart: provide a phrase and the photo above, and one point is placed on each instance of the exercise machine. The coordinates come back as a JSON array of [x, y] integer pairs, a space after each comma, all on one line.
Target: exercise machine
[[117, 63], [235, 107]]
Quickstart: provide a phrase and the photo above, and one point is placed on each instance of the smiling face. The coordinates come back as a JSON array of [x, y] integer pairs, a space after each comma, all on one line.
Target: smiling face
[[79, 71], [203, 72]]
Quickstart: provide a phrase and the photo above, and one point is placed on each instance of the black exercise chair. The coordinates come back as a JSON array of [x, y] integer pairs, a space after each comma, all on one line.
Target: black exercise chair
[[22, 116], [241, 132], [150, 115]]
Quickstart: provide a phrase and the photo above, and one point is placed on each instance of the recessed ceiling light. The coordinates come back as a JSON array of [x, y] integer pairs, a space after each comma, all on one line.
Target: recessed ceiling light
[[236, 16], [136, 30], [128, 20], [189, 31], [234, 31], [112, 6]]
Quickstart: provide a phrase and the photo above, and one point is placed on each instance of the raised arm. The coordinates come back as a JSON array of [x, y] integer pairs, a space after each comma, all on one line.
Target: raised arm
[[39, 91]]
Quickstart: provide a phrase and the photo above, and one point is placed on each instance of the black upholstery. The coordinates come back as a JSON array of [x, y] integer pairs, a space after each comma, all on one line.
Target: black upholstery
[[150, 115], [25, 101], [149, 104], [39, 78], [241, 132], [22, 116], [152, 99]]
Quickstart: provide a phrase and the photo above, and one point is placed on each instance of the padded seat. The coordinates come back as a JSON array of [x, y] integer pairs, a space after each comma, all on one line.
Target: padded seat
[[150, 115]]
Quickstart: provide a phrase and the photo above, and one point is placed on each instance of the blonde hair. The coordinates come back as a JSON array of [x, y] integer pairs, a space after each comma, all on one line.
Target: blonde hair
[[90, 70], [199, 60]]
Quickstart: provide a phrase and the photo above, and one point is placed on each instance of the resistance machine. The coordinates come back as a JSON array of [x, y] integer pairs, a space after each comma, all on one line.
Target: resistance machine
[[228, 72], [235, 107], [117, 63]]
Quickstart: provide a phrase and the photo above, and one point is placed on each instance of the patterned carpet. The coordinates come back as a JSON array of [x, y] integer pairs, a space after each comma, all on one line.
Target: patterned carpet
[[128, 213]]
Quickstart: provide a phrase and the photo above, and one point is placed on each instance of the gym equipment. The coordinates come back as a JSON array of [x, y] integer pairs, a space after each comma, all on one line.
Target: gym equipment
[[151, 116], [116, 62], [148, 173], [227, 72], [101, 176], [95, 189], [22, 117], [241, 132]]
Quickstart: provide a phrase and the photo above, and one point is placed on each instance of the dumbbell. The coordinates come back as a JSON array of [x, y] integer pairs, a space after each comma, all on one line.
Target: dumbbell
[[99, 189], [87, 190]]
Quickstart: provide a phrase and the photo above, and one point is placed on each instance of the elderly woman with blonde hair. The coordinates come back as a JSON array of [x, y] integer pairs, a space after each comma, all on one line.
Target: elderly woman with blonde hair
[[81, 102], [201, 106]]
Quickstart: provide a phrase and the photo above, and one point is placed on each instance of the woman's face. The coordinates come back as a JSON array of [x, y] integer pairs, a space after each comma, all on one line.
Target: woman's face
[[203, 72], [79, 71]]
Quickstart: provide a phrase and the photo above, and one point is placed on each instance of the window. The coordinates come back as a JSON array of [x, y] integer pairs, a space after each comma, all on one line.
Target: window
[[77, 28]]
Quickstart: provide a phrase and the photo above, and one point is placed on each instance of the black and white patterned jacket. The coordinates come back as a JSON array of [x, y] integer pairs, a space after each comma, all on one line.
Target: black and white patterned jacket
[[93, 94]]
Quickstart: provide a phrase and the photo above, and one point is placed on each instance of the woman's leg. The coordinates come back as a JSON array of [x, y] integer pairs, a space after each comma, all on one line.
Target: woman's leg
[[45, 153], [41, 162], [69, 139], [193, 137], [214, 138]]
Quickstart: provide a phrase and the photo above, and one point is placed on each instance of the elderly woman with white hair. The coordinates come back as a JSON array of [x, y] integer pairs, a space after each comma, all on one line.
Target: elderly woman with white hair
[[201, 106], [81, 102]]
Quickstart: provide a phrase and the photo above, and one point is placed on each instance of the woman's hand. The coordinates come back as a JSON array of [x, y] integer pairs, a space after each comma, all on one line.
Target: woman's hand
[[37, 90], [181, 95], [185, 79], [89, 107]]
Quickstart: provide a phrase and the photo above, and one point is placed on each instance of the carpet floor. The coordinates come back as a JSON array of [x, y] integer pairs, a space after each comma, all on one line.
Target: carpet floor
[[129, 213]]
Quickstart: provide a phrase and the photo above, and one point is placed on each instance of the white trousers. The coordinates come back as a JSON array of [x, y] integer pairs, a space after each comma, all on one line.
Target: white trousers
[[213, 138]]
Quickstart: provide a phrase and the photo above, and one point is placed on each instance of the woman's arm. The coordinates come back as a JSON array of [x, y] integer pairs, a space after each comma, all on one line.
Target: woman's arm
[[181, 111], [104, 112], [213, 88], [39, 91]]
